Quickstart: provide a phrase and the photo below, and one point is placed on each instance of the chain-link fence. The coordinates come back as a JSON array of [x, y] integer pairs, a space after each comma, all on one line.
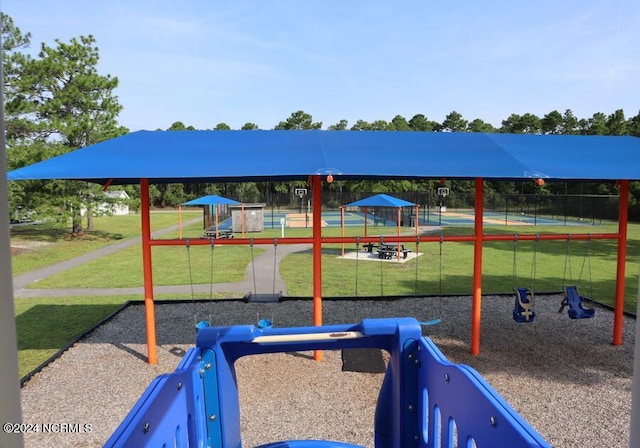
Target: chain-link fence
[[535, 209]]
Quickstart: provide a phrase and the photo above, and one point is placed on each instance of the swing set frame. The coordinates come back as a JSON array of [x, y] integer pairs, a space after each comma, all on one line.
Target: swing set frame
[[317, 240]]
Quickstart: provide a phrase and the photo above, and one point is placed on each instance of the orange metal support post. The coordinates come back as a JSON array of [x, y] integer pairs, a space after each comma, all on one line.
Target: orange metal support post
[[365, 221], [477, 269], [342, 225], [399, 218], [317, 256], [179, 221], [146, 265], [217, 236], [622, 257]]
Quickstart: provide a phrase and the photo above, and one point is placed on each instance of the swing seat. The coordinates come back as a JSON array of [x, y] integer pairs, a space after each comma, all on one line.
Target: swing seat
[[523, 307], [575, 302]]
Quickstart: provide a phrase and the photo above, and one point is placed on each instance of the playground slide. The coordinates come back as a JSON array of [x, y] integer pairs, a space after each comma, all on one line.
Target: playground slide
[[424, 400]]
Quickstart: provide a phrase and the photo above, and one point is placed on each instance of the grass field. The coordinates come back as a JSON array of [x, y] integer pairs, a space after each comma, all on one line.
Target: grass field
[[47, 324]]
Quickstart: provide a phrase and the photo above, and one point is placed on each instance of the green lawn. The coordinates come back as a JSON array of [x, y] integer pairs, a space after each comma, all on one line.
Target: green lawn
[[61, 319], [56, 244], [445, 268], [451, 272]]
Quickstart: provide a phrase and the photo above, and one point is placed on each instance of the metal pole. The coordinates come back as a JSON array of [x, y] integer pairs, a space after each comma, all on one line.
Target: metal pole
[[217, 235], [506, 210], [317, 257], [477, 270], [622, 256], [365, 221], [342, 225], [10, 411], [149, 305], [399, 219]]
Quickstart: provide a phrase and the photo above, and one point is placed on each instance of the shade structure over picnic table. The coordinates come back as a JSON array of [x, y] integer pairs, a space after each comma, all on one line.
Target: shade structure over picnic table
[[383, 200], [209, 201]]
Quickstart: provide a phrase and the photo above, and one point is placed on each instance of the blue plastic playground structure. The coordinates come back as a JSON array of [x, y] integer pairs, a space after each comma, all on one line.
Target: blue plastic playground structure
[[575, 302], [424, 400], [523, 306]]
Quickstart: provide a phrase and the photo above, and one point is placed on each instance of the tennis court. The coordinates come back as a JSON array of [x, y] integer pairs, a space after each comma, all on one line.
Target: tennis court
[[466, 218], [331, 218]]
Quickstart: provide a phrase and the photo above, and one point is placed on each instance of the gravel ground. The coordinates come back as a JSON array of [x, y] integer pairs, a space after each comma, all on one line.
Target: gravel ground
[[564, 377]]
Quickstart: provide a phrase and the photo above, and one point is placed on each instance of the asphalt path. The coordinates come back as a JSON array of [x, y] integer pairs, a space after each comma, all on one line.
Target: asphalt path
[[262, 277]]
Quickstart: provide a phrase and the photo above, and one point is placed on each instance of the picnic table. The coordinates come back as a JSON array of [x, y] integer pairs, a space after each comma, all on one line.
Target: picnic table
[[390, 250], [369, 246], [222, 233]]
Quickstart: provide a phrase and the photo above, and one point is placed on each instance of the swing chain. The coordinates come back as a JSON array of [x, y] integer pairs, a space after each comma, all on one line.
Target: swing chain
[[253, 268], [275, 265], [357, 258], [211, 273], [440, 265], [567, 262], [532, 279], [534, 262], [381, 270], [189, 264], [415, 289], [515, 259], [587, 256]]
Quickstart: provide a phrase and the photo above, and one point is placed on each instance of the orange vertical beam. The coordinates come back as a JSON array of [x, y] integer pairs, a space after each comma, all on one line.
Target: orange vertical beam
[[342, 225], [623, 215], [365, 221], [179, 221], [477, 269], [147, 269], [217, 236], [417, 227], [317, 256], [399, 217]]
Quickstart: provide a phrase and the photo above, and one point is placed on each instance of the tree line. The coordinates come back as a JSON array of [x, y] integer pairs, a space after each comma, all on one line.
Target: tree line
[[58, 101]]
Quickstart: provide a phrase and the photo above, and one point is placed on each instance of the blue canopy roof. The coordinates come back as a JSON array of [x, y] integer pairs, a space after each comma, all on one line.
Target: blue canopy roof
[[212, 199], [381, 200], [223, 156]]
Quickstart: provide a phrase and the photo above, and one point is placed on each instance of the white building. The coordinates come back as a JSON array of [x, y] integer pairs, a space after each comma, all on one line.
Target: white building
[[117, 206]]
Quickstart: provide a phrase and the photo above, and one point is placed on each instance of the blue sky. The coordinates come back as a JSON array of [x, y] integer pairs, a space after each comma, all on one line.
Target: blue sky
[[205, 62]]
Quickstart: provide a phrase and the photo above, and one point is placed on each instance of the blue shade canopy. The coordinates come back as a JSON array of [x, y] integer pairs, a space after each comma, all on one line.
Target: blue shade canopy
[[211, 199], [381, 200], [227, 156]]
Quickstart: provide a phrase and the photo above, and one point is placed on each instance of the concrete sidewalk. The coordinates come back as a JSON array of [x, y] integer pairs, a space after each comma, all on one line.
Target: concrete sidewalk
[[265, 281]]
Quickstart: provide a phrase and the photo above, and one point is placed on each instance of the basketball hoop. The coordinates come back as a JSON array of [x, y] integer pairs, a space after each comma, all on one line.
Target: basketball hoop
[[443, 191], [300, 192]]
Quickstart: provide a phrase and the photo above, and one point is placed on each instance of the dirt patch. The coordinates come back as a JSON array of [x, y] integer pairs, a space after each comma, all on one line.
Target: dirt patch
[[17, 250], [19, 247]]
